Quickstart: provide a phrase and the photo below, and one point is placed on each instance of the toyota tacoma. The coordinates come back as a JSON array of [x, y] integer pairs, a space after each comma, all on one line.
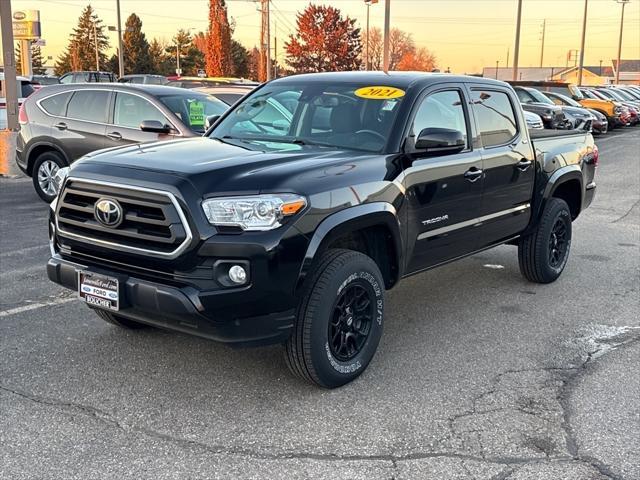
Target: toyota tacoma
[[306, 201]]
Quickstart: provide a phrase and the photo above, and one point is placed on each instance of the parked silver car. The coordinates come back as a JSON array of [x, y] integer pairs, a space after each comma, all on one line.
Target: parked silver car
[[61, 123]]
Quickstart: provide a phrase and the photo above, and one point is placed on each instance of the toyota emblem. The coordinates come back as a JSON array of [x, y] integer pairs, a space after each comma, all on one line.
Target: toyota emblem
[[108, 212]]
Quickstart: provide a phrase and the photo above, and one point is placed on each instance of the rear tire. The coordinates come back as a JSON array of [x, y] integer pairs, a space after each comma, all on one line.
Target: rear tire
[[544, 253], [119, 321], [44, 169], [339, 320]]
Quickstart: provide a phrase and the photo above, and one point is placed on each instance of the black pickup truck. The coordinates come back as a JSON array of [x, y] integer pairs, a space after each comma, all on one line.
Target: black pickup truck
[[307, 200]]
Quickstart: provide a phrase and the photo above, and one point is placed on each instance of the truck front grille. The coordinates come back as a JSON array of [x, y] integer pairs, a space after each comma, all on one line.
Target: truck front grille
[[152, 221]]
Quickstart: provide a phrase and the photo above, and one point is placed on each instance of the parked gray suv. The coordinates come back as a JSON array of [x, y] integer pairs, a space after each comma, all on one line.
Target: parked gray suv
[[60, 123]]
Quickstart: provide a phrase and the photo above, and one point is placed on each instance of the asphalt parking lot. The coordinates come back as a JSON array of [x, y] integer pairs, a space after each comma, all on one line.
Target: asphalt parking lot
[[479, 375]]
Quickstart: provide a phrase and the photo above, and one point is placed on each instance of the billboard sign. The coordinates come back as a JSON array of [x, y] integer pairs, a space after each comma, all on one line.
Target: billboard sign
[[26, 24]]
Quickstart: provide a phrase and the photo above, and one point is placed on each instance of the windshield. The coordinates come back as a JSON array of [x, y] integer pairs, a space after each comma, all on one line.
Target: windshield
[[539, 97], [193, 108], [566, 100], [348, 116], [623, 95]]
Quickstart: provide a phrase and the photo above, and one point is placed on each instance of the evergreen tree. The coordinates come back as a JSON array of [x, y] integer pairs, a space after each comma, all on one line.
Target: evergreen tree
[[80, 54], [36, 61], [191, 59], [218, 54], [241, 58], [135, 47], [161, 63]]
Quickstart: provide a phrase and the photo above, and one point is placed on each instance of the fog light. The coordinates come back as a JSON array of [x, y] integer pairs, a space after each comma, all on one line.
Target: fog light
[[237, 274]]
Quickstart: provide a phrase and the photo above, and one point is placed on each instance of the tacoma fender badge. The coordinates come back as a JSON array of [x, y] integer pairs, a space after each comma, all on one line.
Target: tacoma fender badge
[[430, 221]]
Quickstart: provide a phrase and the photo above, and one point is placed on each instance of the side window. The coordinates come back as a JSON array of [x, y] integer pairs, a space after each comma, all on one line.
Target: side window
[[66, 78], [496, 117], [131, 110], [89, 105], [55, 105], [441, 110]]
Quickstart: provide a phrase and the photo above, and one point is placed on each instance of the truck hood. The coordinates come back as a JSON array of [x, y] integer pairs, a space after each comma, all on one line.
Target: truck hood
[[212, 166]]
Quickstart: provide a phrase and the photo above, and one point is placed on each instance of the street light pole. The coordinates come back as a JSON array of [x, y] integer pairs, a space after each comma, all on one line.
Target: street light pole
[[584, 34], [544, 31], [367, 63], [178, 72], [516, 53], [497, 64], [120, 52], [623, 2], [387, 14]]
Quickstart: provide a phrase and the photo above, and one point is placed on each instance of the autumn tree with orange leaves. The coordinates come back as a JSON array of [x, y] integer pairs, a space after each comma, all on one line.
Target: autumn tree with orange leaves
[[218, 51], [324, 41]]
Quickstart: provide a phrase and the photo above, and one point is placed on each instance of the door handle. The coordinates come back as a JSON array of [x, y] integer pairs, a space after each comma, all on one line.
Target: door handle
[[523, 164], [472, 174], [114, 136], [60, 126]]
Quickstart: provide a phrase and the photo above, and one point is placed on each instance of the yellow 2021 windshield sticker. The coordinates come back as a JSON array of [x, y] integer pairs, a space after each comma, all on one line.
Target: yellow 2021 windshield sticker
[[378, 92]]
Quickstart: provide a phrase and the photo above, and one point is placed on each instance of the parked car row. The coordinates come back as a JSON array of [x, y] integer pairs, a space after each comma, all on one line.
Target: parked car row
[[605, 107]]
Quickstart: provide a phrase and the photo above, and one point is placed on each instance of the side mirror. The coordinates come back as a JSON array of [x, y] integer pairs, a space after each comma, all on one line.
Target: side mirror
[[441, 140], [210, 120], [154, 126]]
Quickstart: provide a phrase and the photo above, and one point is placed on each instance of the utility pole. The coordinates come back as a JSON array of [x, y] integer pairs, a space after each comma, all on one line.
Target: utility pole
[[95, 41], [120, 52], [275, 48], [584, 34], [544, 29], [387, 14], [265, 40], [600, 72], [497, 65], [516, 53], [508, 52], [11, 87], [623, 2]]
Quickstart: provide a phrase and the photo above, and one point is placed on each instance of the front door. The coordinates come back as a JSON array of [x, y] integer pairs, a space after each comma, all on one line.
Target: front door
[[508, 163], [129, 111], [443, 191]]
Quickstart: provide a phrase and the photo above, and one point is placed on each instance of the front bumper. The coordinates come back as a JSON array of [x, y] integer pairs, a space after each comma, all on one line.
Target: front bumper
[[181, 308]]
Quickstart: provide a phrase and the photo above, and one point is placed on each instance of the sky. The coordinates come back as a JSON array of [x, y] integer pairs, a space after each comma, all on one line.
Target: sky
[[465, 35]]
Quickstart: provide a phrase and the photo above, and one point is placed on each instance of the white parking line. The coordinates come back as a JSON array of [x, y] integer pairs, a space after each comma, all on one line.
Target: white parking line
[[34, 306]]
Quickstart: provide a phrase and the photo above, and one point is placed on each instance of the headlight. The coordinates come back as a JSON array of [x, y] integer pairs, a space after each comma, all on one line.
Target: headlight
[[59, 177], [255, 212], [618, 110]]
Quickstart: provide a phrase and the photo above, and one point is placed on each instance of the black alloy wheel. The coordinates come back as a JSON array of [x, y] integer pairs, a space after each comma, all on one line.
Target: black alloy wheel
[[351, 323]]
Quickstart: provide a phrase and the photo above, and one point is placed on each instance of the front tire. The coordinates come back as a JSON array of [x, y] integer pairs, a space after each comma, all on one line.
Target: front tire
[[544, 253], [339, 320], [44, 170]]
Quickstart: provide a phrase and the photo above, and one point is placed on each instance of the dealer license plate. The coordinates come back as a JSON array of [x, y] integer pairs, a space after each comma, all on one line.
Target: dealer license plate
[[99, 290]]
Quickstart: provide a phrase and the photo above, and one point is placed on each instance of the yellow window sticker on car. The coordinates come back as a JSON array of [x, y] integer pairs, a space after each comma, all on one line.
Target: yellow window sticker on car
[[196, 113], [379, 92]]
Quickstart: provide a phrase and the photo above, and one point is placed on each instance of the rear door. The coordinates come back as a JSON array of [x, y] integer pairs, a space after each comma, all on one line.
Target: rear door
[[443, 192], [129, 111], [84, 123], [508, 163]]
